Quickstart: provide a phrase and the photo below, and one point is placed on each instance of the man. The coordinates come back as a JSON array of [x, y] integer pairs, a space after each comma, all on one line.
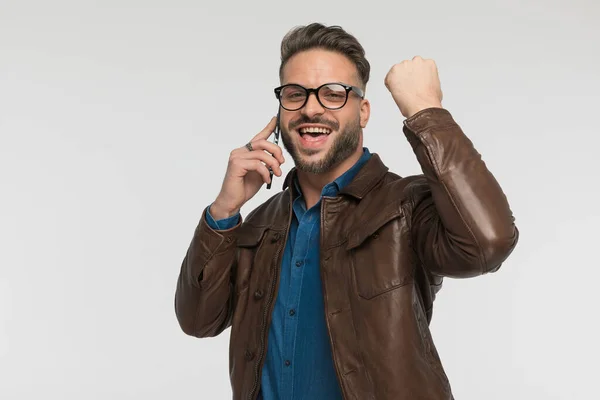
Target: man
[[328, 286]]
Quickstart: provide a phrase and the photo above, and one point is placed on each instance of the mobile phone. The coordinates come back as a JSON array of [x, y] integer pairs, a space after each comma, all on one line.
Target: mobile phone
[[276, 141]]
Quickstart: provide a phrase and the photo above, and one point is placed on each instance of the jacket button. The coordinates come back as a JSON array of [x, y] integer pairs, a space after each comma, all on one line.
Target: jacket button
[[249, 355], [258, 294], [276, 237]]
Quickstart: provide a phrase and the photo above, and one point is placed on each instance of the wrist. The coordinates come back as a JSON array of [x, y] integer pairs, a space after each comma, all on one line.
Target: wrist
[[418, 108], [219, 210]]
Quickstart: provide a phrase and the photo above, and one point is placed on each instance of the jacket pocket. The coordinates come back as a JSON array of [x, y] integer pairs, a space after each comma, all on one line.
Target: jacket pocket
[[380, 254], [249, 241]]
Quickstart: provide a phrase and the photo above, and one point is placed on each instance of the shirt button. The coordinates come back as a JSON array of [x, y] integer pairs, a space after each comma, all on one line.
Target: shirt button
[[292, 312], [298, 263], [287, 363]]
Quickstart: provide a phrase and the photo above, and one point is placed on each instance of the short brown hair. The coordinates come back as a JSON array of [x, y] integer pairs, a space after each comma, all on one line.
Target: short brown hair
[[332, 38]]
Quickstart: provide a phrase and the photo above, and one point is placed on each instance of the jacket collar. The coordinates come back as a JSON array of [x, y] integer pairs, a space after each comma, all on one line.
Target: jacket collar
[[367, 177]]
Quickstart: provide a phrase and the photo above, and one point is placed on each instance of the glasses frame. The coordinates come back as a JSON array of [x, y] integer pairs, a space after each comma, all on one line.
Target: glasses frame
[[349, 88]]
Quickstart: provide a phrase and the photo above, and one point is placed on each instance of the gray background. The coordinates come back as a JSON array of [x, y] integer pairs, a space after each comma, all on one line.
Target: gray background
[[116, 122]]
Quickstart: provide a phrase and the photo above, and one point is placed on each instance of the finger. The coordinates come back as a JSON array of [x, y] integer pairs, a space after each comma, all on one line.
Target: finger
[[257, 166], [272, 148], [269, 160], [267, 131]]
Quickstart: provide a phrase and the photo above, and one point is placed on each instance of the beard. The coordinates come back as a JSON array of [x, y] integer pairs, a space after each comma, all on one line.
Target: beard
[[343, 146]]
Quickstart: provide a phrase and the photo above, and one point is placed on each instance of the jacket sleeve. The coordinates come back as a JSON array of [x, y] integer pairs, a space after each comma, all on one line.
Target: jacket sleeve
[[461, 223], [203, 298]]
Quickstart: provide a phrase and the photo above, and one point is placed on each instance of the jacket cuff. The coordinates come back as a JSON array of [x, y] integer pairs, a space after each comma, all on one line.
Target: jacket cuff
[[428, 118], [206, 243]]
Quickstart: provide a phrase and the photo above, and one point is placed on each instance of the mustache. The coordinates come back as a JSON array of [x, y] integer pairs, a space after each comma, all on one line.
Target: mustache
[[321, 121]]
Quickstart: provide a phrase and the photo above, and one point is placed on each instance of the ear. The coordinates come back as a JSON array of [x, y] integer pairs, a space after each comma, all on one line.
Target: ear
[[365, 112]]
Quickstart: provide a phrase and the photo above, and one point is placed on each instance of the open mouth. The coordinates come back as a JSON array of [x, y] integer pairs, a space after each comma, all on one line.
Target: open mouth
[[314, 134]]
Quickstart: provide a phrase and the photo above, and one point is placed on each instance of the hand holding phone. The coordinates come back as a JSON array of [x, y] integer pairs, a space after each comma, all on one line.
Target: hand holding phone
[[248, 169]]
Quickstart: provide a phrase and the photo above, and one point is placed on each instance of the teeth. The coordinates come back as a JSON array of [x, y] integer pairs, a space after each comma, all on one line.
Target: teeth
[[315, 130]]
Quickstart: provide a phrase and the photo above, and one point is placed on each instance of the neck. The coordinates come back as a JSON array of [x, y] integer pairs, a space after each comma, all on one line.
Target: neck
[[312, 184]]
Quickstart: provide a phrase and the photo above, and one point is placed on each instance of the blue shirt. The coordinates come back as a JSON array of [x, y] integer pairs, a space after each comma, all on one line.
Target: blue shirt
[[299, 364]]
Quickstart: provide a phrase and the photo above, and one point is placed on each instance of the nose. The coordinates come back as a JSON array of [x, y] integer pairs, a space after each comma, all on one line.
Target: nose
[[312, 106]]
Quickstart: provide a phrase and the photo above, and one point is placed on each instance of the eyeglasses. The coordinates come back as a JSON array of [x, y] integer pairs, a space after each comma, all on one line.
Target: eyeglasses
[[332, 96]]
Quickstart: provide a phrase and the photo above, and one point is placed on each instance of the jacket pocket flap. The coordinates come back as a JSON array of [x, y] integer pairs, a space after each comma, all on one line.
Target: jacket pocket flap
[[250, 235], [370, 225]]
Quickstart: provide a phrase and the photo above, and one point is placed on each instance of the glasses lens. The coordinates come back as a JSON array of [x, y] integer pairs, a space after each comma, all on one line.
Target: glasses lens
[[333, 95], [293, 97]]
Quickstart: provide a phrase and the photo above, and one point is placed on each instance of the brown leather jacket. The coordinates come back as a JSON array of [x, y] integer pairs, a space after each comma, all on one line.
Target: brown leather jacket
[[386, 244]]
